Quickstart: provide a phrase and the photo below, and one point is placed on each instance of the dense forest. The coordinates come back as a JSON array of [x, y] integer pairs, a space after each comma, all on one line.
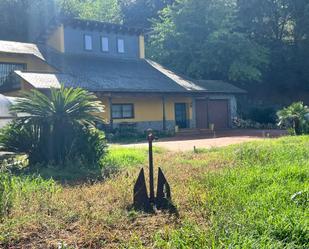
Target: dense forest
[[261, 45]]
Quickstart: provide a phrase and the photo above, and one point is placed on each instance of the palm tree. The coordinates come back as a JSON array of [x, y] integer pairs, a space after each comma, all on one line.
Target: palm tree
[[295, 114], [56, 119]]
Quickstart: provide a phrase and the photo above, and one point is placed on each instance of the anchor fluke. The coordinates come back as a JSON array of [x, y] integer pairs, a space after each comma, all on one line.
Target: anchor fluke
[[140, 199]]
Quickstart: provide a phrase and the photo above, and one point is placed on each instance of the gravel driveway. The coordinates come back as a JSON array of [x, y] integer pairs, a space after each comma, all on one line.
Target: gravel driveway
[[223, 139], [187, 145]]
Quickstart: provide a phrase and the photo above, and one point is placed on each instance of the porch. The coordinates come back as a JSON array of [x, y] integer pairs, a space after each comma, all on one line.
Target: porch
[[169, 111]]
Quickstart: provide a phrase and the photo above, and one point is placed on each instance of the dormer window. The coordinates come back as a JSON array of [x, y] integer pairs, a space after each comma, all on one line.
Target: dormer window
[[88, 42], [120, 45], [104, 44]]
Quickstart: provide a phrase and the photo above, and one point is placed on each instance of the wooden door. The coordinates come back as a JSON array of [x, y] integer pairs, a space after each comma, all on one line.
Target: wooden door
[[218, 113], [201, 114]]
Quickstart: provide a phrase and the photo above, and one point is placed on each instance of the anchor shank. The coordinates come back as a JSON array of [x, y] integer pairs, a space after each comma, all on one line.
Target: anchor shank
[[151, 183]]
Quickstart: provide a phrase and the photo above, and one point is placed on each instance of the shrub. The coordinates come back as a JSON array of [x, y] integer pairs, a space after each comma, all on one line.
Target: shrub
[[294, 116], [262, 115], [56, 127], [250, 124]]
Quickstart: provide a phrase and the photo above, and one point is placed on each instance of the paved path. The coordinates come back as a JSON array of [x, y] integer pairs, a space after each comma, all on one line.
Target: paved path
[[223, 139], [187, 145]]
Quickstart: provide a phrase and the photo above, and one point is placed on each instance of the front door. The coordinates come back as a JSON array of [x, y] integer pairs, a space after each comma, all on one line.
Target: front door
[[181, 115]]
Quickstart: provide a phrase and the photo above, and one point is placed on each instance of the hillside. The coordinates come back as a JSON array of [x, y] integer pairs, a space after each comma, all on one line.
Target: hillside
[[253, 195]]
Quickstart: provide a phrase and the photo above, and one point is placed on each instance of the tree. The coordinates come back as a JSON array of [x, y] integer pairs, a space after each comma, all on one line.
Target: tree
[[295, 116], [98, 10], [138, 13], [200, 39], [282, 27], [22, 20], [54, 126]]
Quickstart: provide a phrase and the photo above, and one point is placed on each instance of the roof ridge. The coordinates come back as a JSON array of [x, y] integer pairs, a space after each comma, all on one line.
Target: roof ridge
[[25, 43]]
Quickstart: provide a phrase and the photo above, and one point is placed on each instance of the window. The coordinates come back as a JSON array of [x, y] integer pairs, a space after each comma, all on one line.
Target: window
[[6, 69], [122, 111], [104, 44], [120, 45], [88, 42]]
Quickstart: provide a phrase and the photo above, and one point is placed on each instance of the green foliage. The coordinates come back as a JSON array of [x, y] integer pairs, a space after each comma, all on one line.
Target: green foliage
[[23, 20], [262, 115], [129, 134], [119, 158], [201, 35], [122, 157], [138, 13], [260, 203], [253, 195], [98, 10], [294, 116], [15, 190], [56, 128]]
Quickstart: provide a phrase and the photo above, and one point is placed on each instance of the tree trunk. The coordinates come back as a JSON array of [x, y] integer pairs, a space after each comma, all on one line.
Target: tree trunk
[[297, 126]]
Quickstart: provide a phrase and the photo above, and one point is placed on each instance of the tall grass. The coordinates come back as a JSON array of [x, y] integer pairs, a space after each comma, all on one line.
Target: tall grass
[[261, 203], [16, 190], [253, 195]]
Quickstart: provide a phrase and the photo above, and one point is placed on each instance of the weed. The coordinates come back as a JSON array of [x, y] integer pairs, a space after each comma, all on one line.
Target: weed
[[253, 195]]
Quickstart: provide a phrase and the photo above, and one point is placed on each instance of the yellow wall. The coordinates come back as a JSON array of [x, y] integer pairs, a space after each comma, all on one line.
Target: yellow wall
[[56, 39], [32, 63], [141, 47], [148, 109]]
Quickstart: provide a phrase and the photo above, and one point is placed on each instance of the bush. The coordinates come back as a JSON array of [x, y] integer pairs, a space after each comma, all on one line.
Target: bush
[[294, 116], [56, 128], [90, 145], [127, 133], [250, 124], [262, 115], [86, 144]]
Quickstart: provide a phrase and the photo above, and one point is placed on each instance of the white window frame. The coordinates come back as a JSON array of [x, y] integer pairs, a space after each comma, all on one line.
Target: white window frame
[[122, 111], [104, 44], [88, 42], [120, 45]]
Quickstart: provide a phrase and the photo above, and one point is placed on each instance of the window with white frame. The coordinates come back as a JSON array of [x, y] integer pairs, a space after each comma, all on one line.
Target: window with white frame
[[104, 44], [122, 111], [120, 45], [88, 42]]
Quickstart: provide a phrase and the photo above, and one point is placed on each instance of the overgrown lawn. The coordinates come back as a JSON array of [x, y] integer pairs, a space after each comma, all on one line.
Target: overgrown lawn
[[253, 195]]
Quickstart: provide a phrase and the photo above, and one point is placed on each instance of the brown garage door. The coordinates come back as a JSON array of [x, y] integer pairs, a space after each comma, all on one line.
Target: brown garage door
[[218, 113], [201, 114]]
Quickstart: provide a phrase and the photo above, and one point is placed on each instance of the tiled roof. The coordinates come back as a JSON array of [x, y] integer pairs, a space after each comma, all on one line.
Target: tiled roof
[[51, 80], [120, 75], [218, 86], [20, 48], [107, 74]]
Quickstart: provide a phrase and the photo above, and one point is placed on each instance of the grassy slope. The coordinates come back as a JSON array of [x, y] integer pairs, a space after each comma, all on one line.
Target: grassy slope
[[240, 196]]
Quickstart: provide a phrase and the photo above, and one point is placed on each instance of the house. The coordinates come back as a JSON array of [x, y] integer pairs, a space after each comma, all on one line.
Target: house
[[109, 60]]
